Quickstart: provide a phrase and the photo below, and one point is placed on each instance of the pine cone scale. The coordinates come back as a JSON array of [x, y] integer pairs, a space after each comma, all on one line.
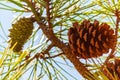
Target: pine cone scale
[[81, 33], [90, 29], [85, 37], [94, 33], [97, 44], [100, 37], [78, 43], [92, 42]]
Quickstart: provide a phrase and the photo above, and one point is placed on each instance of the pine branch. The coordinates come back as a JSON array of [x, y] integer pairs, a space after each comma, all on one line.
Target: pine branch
[[47, 29], [65, 48]]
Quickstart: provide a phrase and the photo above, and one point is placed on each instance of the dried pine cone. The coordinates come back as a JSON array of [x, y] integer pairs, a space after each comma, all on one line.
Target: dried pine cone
[[20, 32], [112, 69], [90, 40]]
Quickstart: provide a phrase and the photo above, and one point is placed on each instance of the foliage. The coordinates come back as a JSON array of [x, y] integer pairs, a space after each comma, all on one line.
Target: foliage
[[46, 53]]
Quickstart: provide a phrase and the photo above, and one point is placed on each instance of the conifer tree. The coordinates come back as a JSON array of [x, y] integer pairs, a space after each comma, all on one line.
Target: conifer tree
[[49, 35]]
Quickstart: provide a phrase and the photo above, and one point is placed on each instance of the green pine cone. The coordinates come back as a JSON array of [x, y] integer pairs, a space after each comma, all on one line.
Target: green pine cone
[[20, 32]]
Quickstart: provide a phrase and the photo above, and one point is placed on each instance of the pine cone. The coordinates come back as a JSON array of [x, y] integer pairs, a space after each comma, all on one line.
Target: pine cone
[[90, 40], [112, 69], [20, 32]]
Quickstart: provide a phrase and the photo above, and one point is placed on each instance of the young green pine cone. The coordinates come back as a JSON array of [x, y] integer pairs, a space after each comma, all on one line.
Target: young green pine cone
[[20, 32], [91, 40]]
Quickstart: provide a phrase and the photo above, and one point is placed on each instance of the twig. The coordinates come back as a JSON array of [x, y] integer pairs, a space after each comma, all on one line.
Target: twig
[[53, 56]]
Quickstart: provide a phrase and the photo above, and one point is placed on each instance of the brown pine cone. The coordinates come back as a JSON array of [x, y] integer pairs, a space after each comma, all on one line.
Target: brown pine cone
[[90, 40], [112, 70]]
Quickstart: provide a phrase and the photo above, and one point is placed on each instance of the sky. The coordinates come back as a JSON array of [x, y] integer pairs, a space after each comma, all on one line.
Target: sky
[[6, 18]]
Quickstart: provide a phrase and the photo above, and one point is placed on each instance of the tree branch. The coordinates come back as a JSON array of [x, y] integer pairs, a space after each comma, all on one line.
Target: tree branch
[[65, 48]]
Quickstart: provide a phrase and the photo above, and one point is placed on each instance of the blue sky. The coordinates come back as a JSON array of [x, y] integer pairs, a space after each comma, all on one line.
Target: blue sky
[[5, 20]]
